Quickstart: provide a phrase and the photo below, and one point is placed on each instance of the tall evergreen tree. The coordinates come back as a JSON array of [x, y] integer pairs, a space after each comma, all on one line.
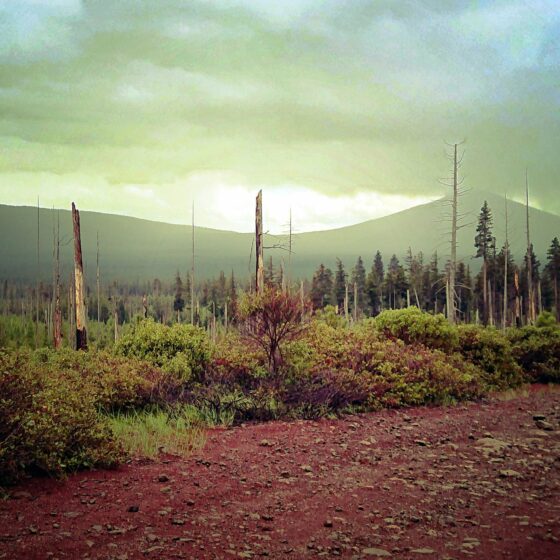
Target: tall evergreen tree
[[553, 274], [322, 287], [535, 277], [359, 284], [483, 242], [340, 279], [395, 283], [178, 302], [374, 284]]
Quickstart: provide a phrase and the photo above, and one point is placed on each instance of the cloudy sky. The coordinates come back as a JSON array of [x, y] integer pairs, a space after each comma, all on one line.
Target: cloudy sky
[[340, 110]]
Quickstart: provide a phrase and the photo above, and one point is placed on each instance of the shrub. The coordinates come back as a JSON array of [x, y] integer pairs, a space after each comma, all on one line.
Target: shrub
[[537, 351], [49, 422], [491, 351], [116, 383], [414, 326], [182, 350], [271, 319], [546, 319]]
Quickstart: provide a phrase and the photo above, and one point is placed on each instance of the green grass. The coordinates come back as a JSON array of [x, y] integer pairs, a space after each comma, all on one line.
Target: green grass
[[147, 434]]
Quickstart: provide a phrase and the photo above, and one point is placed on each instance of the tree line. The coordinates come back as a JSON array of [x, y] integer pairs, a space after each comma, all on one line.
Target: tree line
[[499, 294]]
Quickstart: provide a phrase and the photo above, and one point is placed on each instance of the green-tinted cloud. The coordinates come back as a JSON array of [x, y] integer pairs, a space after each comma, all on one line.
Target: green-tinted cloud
[[339, 97]]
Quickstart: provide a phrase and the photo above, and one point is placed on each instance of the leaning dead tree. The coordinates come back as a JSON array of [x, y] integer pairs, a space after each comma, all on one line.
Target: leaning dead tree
[[259, 249], [81, 330]]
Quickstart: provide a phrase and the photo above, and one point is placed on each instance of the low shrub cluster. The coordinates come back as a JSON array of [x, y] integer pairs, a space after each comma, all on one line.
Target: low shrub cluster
[[182, 350], [537, 351], [50, 421]]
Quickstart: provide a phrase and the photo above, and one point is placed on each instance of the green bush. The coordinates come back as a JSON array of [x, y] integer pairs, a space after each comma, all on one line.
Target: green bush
[[115, 382], [537, 351], [182, 350], [50, 421], [491, 351], [417, 327]]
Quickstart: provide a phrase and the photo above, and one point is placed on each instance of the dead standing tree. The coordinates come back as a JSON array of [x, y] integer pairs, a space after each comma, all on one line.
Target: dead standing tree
[[259, 249], [456, 184], [81, 330]]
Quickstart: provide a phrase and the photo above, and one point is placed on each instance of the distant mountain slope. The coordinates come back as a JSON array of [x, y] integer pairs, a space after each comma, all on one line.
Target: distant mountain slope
[[134, 249]]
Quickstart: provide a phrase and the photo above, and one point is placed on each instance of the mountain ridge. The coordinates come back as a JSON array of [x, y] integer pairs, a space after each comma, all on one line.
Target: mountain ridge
[[138, 249]]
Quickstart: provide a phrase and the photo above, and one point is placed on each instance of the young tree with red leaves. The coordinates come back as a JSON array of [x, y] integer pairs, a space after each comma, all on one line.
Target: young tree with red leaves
[[270, 319]]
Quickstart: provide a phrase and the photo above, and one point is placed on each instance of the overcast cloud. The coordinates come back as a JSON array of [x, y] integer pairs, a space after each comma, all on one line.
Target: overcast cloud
[[138, 107]]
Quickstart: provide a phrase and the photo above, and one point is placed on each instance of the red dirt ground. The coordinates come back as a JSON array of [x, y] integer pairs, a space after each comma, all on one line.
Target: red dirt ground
[[479, 480]]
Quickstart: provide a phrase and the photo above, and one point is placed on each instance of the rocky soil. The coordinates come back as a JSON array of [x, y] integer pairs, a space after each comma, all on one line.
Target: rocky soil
[[480, 480]]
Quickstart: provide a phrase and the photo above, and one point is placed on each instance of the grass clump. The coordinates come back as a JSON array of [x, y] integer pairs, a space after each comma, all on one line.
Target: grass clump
[[149, 433]]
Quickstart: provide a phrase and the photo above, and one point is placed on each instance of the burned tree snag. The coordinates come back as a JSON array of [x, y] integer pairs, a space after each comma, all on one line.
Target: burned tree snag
[[259, 279], [81, 331], [57, 319]]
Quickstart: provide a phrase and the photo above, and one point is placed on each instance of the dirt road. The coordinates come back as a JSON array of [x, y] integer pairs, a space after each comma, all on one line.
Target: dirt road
[[480, 480]]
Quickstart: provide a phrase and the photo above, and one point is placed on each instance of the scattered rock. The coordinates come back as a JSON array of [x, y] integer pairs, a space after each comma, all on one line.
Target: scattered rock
[[21, 495], [544, 425], [378, 552], [134, 509], [509, 473], [423, 551], [163, 478]]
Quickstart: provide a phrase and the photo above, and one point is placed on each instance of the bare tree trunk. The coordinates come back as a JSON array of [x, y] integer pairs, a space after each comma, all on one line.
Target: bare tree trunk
[[192, 269], [81, 330], [355, 302], [289, 279], [57, 310], [346, 301], [484, 291], [38, 275], [530, 294], [145, 305], [451, 315], [98, 280], [506, 257], [226, 315], [517, 300], [259, 281]]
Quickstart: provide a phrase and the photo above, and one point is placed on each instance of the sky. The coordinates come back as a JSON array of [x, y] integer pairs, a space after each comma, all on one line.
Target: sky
[[341, 111]]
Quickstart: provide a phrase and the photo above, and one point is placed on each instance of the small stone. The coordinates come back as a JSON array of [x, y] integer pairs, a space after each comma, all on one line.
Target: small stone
[[307, 468], [539, 417], [177, 521], [423, 551], [420, 442], [163, 478], [21, 495], [544, 425], [150, 537], [379, 552], [134, 509], [509, 473], [328, 523], [265, 443]]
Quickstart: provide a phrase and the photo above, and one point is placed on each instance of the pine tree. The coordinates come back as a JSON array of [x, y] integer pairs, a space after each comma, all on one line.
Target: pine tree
[[395, 283], [483, 242], [340, 279], [535, 278], [322, 287], [359, 281], [374, 284], [553, 274], [179, 302]]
